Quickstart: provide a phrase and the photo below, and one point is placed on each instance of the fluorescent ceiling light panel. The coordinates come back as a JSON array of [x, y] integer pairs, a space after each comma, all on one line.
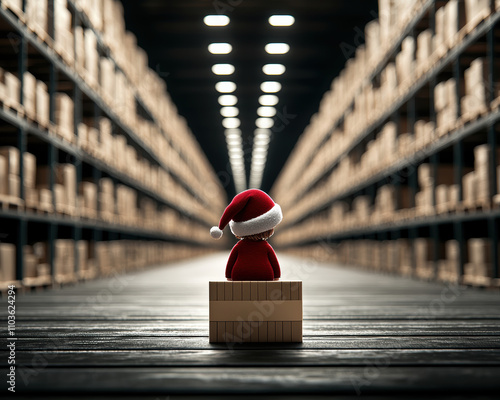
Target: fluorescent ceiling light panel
[[266, 111], [268, 100], [273, 69], [223, 69], [264, 122], [216, 20], [277, 48], [230, 123], [229, 112], [220, 48], [270, 87], [225, 87], [228, 100], [281, 20]]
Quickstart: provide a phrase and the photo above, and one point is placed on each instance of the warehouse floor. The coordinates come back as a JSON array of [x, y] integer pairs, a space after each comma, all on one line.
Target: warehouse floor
[[145, 335]]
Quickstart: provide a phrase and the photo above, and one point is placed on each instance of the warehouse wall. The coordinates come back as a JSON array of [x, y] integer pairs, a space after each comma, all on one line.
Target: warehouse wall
[[399, 170], [98, 172]]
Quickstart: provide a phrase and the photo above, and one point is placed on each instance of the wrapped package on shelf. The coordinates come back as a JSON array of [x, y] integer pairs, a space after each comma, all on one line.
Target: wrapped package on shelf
[[469, 184], [449, 267], [91, 59], [3, 175], [7, 262], [474, 102], [65, 175], [29, 263], [37, 13], [12, 87], [424, 50], [42, 104], [107, 80], [11, 155], [29, 95], [476, 11], [481, 170], [64, 109], [64, 260], [88, 193], [29, 165], [423, 258], [63, 35], [479, 268], [80, 50]]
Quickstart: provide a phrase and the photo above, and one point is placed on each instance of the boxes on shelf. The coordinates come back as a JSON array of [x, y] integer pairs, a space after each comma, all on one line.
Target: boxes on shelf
[[475, 100], [88, 199], [7, 262], [63, 34], [479, 268], [37, 13], [42, 104], [64, 261], [449, 267], [91, 59], [64, 109], [9, 174], [424, 261], [475, 12], [29, 96], [445, 103]]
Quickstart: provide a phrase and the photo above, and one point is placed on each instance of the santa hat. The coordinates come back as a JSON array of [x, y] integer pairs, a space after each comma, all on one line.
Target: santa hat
[[251, 212]]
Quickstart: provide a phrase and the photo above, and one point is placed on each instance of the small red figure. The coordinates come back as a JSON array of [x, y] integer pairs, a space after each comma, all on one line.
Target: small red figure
[[252, 217]]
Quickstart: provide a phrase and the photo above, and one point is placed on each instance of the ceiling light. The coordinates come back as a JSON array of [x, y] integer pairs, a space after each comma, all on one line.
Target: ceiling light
[[229, 112], [220, 48], [224, 69], [261, 140], [225, 87], [230, 123], [277, 48], [268, 100], [228, 100], [281, 20], [270, 87], [264, 122], [266, 111], [217, 20], [273, 69]]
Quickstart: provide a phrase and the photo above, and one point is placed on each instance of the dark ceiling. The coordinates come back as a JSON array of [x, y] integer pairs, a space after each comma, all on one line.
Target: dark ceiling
[[323, 36]]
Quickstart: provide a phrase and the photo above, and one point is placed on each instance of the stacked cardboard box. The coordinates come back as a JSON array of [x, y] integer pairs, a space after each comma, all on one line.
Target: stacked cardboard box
[[7, 263], [424, 258], [424, 51], [29, 180], [29, 95], [106, 199], [91, 59], [64, 261], [37, 17], [87, 199], [63, 34], [64, 189], [42, 104], [64, 109], [475, 100], [479, 268], [10, 90], [445, 103], [449, 267], [475, 12], [405, 63], [9, 172]]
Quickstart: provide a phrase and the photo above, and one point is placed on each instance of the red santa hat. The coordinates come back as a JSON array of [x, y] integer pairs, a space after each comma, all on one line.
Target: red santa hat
[[251, 212]]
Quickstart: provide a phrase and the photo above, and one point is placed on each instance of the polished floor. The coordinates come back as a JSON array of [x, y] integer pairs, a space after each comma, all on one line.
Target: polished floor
[[145, 336]]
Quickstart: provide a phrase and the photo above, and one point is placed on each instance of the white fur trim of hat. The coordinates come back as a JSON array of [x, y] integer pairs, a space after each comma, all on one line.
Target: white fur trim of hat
[[259, 224]]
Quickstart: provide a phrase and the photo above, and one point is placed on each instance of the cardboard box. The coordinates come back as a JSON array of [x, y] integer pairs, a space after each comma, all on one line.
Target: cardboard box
[[42, 104], [3, 175], [29, 165], [11, 154], [7, 262], [255, 311]]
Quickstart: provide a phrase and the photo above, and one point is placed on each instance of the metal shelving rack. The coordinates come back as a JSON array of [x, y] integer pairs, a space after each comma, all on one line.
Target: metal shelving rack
[[22, 133], [458, 225]]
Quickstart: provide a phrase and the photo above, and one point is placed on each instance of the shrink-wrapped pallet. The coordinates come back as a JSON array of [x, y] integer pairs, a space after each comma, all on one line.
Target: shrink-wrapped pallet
[[7, 262]]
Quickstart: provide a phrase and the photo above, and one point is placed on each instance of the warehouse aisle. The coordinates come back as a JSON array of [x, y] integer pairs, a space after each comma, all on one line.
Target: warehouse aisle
[[146, 334]]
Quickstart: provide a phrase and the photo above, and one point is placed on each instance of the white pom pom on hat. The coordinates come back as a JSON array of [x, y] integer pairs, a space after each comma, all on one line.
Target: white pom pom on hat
[[250, 212], [215, 232]]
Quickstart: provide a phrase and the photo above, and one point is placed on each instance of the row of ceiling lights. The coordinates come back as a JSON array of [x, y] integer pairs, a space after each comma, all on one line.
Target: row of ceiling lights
[[265, 112]]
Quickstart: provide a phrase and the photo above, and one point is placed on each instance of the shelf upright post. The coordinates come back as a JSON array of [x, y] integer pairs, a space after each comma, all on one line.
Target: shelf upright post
[[21, 137]]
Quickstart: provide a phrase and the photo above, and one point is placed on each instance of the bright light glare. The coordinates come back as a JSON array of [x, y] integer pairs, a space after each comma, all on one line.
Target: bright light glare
[[266, 111], [225, 87], [270, 87], [268, 100], [220, 48], [230, 123], [222, 69], [277, 48], [228, 100], [281, 20], [216, 20], [229, 112], [264, 123], [273, 69]]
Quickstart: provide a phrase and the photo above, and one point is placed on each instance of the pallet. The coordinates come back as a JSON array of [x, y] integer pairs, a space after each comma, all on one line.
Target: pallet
[[39, 281], [477, 206], [11, 203], [13, 108], [473, 280]]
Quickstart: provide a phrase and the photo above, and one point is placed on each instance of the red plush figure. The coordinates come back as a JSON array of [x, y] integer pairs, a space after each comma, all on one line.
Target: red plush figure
[[252, 217]]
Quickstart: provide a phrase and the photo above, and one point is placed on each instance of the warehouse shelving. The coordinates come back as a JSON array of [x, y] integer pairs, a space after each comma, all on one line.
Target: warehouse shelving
[[171, 208], [342, 166]]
